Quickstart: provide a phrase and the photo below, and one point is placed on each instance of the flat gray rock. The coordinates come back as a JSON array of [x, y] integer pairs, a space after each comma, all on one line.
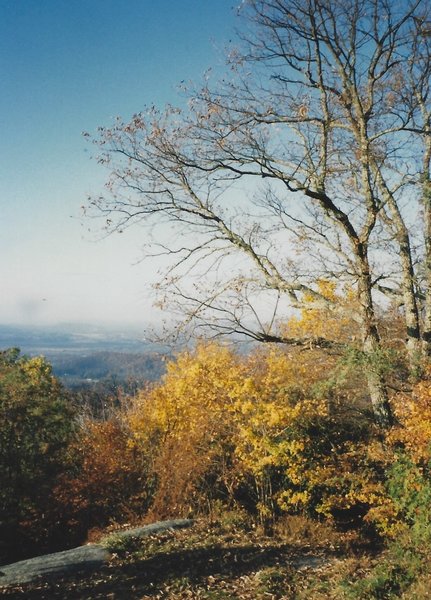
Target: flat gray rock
[[152, 529], [83, 558], [59, 563]]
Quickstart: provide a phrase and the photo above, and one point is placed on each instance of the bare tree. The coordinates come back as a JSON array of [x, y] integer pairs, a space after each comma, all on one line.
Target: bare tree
[[418, 76], [290, 172], [402, 168]]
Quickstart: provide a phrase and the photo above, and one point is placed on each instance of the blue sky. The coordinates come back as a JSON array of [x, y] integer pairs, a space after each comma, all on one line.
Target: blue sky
[[68, 66]]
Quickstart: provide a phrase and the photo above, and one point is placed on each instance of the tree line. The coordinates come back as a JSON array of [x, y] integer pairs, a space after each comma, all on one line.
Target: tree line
[[272, 433]]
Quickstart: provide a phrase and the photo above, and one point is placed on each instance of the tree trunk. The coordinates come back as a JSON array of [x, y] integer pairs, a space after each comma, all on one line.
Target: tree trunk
[[426, 336], [411, 313], [376, 382], [412, 321], [372, 349]]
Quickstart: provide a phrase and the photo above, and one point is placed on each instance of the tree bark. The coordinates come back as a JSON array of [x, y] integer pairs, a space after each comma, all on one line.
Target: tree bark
[[372, 349], [426, 336], [411, 313], [397, 225]]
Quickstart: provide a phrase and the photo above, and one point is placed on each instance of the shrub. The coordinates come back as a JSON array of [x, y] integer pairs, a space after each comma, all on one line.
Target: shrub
[[405, 517], [36, 427], [110, 480], [251, 430]]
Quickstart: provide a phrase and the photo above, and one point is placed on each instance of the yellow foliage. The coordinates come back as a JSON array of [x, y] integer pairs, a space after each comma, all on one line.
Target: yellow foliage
[[194, 394], [333, 323], [414, 415], [222, 421], [38, 371], [185, 420], [267, 411]]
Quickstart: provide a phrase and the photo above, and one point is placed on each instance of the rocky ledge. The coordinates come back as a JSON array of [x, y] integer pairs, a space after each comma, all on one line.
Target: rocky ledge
[[81, 559]]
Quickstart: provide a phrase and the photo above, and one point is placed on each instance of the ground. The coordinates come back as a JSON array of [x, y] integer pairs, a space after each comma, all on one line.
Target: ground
[[217, 561]]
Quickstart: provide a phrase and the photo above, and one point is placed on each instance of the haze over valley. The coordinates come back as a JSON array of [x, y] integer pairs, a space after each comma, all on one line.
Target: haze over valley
[[83, 355]]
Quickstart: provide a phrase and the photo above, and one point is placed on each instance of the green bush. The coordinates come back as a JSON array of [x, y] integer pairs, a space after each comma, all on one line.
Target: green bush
[[36, 426], [409, 487], [406, 560]]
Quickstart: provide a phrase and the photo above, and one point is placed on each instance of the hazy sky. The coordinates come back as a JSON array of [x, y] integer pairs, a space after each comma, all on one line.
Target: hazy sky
[[68, 66]]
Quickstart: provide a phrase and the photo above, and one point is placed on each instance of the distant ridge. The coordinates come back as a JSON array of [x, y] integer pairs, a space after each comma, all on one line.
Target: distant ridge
[[74, 338], [82, 356]]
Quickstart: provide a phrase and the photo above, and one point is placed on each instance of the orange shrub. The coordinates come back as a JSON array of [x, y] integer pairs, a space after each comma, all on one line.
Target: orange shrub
[[110, 481]]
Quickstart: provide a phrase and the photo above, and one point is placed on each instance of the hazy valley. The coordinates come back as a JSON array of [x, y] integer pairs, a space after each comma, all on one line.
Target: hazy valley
[[83, 356]]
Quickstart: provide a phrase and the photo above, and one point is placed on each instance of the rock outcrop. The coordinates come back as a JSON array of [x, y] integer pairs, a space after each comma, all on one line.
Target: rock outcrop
[[81, 559]]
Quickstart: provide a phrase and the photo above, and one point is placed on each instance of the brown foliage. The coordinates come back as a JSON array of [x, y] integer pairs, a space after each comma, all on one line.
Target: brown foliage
[[109, 482]]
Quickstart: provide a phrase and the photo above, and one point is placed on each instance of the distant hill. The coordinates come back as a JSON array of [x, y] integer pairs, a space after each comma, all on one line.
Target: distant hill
[[115, 367], [74, 338], [83, 355]]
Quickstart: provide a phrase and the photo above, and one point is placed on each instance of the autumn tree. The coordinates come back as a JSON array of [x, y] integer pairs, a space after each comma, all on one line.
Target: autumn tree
[[299, 167], [108, 480], [253, 431], [185, 424], [36, 427]]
